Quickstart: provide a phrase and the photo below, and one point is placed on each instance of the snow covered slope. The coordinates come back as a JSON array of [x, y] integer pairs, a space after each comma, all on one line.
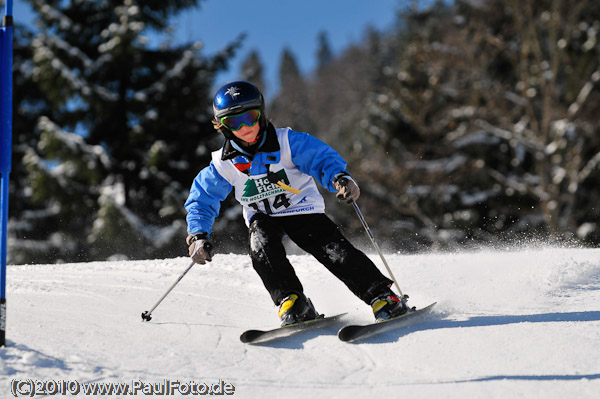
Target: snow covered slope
[[507, 324]]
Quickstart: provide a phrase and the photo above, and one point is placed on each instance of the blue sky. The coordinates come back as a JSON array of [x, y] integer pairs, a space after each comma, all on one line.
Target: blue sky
[[272, 25]]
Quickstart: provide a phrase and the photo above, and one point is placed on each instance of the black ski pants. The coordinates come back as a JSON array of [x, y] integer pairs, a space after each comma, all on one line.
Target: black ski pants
[[319, 236]]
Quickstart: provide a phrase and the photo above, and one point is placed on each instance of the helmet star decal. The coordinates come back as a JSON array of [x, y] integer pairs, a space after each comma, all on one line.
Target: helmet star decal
[[236, 98], [232, 91]]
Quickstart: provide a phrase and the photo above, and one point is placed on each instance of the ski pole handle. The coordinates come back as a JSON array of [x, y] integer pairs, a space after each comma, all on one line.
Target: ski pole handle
[[207, 248]]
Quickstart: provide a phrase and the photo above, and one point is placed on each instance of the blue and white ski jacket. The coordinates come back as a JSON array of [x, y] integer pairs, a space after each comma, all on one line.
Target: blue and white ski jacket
[[296, 158]]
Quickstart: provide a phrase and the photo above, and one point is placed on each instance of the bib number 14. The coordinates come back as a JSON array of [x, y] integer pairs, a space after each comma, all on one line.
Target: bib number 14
[[280, 201]]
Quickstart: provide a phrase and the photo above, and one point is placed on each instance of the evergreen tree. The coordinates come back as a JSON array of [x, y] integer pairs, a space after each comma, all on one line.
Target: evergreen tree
[[471, 123], [290, 107], [253, 71], [488, 109], [536, 65], [30, 103], [127, 129], [324, 53]]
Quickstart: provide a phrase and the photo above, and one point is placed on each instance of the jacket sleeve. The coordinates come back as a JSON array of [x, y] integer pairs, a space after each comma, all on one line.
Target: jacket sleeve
[[315, 158], [204, 202]]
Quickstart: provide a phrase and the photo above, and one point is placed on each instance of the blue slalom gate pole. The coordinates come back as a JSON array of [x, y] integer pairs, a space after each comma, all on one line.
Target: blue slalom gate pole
[[6, 66]]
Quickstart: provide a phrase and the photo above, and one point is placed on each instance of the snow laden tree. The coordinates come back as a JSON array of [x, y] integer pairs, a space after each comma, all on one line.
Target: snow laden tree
[[128, 129], [538, 70], [29, 103], [489, 111], [410, 177]]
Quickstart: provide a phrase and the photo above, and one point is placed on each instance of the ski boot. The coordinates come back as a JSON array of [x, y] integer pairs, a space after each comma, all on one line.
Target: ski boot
[[295, 308], [388, 305]]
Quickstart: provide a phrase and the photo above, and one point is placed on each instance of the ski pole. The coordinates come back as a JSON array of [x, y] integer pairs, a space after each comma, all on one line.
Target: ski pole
[[146, 316], [370, 234]]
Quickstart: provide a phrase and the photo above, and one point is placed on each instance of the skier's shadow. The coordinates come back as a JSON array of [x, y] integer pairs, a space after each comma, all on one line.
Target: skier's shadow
[[430, 323]]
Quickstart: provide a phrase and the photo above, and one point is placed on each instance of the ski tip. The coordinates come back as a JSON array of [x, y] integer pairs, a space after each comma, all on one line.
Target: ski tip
[[428, 306], [346, 334], [250, 336]]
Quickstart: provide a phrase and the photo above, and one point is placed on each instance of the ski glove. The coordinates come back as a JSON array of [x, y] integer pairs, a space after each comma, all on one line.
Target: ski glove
[[347, 188], [199, 248]]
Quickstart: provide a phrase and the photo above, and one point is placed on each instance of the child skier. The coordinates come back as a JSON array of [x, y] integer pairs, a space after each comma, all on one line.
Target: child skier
[[272, 172]]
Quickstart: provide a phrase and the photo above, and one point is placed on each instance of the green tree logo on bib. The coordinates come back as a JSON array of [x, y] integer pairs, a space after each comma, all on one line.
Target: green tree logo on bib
[[261, 187]]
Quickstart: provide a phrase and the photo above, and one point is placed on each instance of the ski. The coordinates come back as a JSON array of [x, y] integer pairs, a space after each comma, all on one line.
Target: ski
[[358, 332], [259, 336]]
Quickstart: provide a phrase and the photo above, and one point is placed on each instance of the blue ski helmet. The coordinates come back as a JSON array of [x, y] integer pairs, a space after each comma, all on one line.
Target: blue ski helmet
[[237, 97]]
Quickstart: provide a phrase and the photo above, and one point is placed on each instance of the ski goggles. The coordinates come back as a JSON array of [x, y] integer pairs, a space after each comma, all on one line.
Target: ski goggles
[[235, 122]]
